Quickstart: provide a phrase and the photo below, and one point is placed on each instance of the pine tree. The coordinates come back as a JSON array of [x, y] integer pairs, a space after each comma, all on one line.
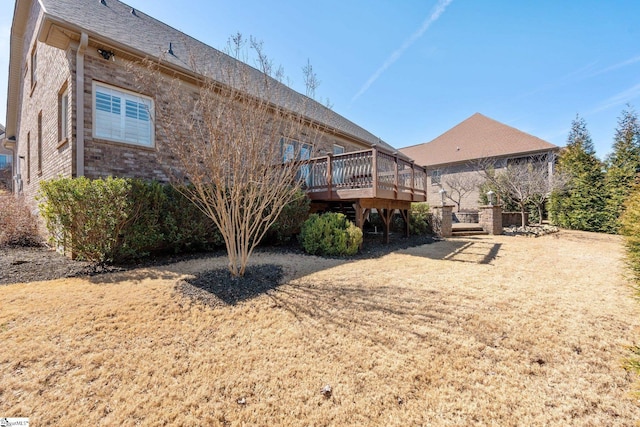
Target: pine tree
[[582, 205], [623, 165]]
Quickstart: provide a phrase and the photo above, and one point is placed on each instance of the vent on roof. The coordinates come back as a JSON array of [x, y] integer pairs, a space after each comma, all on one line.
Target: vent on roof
[[133, 12], [170, 51], [103, 2]]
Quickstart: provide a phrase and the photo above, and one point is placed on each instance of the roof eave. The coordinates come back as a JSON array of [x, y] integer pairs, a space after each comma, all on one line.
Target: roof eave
[[555, 149], [16, 44]]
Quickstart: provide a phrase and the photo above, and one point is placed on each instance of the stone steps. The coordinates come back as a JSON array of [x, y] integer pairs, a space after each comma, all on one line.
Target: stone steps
[[461, 229]]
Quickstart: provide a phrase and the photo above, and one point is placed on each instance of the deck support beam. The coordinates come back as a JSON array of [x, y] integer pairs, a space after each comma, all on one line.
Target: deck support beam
[[386, 215], [405, 217], [363, 207]]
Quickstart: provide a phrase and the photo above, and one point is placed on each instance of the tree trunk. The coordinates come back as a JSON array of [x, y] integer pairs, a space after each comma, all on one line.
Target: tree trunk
[[540, 209]]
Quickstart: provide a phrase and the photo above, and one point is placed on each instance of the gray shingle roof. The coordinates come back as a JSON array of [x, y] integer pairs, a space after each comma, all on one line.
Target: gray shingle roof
[[475, 138], [150, 37]]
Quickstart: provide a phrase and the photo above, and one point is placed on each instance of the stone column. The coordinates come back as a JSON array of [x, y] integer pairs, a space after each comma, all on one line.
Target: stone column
[[442, 220], [490, 218]]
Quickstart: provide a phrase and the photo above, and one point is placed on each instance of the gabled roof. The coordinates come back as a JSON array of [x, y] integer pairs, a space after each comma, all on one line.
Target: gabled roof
[[475, 138], [121, 27]]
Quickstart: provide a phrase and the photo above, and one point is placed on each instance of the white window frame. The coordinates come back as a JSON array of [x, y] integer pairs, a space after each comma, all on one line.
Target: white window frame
[[118, 131], [338, 149]]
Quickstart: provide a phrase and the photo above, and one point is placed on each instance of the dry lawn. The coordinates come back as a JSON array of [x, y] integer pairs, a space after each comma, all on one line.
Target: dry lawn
[[500, 331]]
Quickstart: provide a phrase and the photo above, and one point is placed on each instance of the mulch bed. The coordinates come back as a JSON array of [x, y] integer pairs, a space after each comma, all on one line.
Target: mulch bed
[[29, 264]]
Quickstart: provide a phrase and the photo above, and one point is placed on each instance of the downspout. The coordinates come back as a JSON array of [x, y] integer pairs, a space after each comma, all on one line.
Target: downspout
[[84, 41]]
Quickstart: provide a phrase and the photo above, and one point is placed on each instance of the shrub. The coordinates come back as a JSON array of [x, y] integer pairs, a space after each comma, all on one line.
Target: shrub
[[290, 220], [185, 227], [18, 227], [85, 216], [630, 228], [142, 231], [420, 219], [117, 219], [330, 234]]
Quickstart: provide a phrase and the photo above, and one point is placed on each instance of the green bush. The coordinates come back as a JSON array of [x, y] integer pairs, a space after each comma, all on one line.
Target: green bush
[[290, 220], [185, 227], [630, 228], [117, 219], [420, 219], [85, 216], [330, 234]]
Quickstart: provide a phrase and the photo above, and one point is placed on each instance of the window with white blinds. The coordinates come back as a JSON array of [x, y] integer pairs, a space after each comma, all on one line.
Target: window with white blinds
[[122, 116]]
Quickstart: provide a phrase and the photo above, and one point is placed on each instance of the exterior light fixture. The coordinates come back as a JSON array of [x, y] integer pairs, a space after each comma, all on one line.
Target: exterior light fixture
[[106, 54], [443, 194], [490, 195]]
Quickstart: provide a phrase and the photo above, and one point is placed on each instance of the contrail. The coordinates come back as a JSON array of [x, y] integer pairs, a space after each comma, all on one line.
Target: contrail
[[623, 97], [435, 14]]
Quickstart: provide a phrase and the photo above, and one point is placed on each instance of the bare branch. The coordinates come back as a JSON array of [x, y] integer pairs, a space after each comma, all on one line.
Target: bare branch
[[224, 137]]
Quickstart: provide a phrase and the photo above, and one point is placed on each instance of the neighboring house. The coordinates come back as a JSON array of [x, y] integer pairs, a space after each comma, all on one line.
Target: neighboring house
[[452, 159], [73, 109], [6, 166]]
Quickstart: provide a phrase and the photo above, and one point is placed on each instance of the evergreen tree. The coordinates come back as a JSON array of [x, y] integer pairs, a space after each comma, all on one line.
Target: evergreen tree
[[623, 165], [582, 205]]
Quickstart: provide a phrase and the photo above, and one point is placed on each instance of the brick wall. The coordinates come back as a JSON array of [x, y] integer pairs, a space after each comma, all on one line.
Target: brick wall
[[53, 72], [108, 158]]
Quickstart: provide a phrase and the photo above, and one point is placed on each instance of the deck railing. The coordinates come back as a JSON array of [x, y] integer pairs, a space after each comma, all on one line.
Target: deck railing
[[365, 174]]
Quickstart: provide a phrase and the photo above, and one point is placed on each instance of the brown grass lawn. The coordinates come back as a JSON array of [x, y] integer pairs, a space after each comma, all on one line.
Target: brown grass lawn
[[471, 331]]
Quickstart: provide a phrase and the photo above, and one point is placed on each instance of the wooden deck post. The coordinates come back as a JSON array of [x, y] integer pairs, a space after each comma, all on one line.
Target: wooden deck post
[[395, 177], [406, 217], [386, 215], [413, 182], [361, 213], [329, 175], [374, 171]]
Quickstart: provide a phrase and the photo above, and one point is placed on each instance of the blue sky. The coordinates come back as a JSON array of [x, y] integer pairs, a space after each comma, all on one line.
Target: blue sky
[[408, 70]]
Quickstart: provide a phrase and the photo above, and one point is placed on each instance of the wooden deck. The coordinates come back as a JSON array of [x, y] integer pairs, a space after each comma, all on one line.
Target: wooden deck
[[368, 179], [367, 174]]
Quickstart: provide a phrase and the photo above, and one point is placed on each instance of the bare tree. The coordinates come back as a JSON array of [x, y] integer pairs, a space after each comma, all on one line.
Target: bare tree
[[226, 135], [459, 184], [545, 181], [311, 81], [524, 181]]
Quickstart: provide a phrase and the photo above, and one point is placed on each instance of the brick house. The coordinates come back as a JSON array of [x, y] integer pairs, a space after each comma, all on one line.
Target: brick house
[[453, 157], [73, 109]]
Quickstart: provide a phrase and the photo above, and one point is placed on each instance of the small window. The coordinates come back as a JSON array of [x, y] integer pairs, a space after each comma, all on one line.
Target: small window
[[5, 162], [435, 177], [338, 149], [288, 151], [63, 116], [294, 150], [34, 66], [39, 153], [122, 116]]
